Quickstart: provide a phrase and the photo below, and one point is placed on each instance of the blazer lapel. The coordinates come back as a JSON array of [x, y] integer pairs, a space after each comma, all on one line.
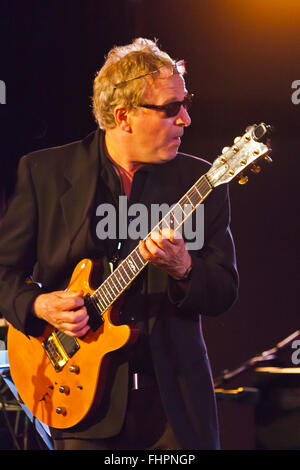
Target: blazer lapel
[[81, 180]]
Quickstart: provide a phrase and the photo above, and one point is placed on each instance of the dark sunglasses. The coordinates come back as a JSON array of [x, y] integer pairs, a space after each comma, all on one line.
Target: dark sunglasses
[[171, 109]]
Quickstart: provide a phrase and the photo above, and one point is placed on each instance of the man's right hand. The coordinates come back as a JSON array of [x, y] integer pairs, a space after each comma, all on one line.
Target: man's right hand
[[64, 310]]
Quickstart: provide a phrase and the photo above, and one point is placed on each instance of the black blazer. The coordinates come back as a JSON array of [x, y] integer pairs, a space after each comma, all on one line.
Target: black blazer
[[45, 233]]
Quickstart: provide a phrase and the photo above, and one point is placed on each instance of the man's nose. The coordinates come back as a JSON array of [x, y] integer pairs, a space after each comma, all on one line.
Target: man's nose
[[183, 117]]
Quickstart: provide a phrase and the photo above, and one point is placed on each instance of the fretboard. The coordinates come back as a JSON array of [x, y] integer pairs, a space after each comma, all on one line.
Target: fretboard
[[133, 264]]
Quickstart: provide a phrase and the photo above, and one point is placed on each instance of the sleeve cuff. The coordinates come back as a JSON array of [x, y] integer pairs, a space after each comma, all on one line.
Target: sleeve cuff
[[27, 322]]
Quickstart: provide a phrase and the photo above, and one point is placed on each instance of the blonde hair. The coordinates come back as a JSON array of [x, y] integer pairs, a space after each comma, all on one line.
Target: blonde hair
[[124, 63]]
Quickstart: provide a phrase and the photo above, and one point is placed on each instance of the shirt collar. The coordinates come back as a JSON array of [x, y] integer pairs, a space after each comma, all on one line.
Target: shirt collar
[[107, 165]]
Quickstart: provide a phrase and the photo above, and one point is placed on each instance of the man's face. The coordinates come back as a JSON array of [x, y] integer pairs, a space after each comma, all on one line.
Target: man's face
[[155, 137]]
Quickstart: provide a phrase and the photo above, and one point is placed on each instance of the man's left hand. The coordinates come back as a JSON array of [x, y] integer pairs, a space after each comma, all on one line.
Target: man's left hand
[[167, 250]]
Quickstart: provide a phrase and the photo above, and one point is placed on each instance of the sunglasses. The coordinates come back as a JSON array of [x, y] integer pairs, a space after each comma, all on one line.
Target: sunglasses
[[171, 109]]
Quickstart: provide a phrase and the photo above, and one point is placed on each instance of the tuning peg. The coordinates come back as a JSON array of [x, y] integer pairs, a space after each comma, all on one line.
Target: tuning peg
[[255, 169], [225, 149], [268, 158], [243, 180], [249, 127], [237, 139]]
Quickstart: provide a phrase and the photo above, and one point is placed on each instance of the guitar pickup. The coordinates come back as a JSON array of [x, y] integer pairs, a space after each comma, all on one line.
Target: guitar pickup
[[59, 348], [95, 317]]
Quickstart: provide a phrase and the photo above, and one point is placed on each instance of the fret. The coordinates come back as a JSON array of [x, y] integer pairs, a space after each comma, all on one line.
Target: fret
[[162, 225], [118, 271], [198, 191], [98, 306], [177, 215], [121, 266], [139, 258], [115, 274], [108, 290], [95, 299], [196, 195], [106, 286], [122, 278], [186, 208], [134, 261], [115, 283], [105, 292], [193, 199], [112, 286], [174, 216], [128, 262], [200, 187], [100, 302], [158, 227], [188, 198], [205, 185], [129, 268], [183, 202], [171, 220], [101, 307]]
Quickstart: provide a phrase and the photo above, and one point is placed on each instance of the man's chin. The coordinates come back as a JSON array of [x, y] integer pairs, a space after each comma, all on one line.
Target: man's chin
[[168, 156], [163, 157]]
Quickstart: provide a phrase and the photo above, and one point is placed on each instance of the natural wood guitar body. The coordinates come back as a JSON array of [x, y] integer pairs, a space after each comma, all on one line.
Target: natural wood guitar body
[[61, 397], [40, 385]]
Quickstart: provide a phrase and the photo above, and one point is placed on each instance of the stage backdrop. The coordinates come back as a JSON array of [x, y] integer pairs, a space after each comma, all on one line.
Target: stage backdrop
[[243, 66]]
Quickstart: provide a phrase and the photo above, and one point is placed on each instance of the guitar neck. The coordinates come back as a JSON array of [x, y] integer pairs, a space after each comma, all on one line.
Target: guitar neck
[[133, 264]]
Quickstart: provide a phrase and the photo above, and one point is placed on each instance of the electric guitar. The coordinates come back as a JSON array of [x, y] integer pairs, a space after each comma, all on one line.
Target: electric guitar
[[61, 378]]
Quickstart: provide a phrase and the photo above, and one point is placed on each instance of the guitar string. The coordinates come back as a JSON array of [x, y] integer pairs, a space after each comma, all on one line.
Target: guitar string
[[196, 190], [202, 184], [104, 287], [190, 199]]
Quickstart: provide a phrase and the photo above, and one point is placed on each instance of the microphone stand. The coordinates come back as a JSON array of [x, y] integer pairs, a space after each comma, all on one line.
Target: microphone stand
[[268, 355]]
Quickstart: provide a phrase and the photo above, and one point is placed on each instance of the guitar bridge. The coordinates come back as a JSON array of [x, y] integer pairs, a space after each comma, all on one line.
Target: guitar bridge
[[59, 348]]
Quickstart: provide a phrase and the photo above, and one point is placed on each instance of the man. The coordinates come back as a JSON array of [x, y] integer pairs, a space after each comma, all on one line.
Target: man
[[160, 394]]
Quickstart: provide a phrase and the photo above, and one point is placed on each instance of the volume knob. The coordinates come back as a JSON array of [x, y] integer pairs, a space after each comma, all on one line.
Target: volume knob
[[74, 369], [64, 389]]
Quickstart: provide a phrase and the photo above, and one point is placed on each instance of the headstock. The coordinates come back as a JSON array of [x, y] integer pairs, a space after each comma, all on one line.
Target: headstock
[[244, 153]]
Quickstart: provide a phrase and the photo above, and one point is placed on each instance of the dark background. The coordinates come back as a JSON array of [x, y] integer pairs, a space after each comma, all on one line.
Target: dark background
[[242, 57]]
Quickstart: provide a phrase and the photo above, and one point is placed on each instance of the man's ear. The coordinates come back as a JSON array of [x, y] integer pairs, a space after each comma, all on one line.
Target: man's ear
[[122, 118]]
